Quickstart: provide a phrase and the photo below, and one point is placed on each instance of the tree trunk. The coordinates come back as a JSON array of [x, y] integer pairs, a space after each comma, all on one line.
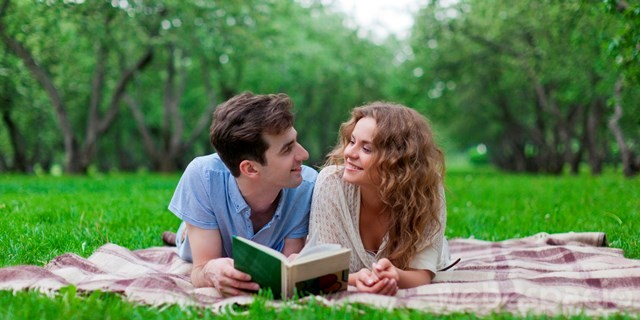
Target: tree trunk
[[165, 156], [78, 157], [3, 163], [593, 123], [42, 76], [629, 167], [20, 160]]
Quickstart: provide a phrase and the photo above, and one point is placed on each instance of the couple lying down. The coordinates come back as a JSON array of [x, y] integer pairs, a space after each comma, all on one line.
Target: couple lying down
[[380, 194]]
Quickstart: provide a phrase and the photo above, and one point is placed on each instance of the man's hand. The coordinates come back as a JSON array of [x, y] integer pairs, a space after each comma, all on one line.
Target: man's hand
[[210, 269], [226, 279]]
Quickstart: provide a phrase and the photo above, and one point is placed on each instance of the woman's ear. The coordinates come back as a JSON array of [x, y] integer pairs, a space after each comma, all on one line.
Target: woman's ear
[[248, 168]]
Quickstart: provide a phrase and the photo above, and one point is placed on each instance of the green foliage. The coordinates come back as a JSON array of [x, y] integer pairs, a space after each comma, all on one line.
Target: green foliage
[[531, 80], [624, 45], [519, 77], [48, 216], [478, 155]]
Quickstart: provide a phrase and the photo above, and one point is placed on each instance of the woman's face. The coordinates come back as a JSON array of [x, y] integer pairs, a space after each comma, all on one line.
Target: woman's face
[[358, 154]]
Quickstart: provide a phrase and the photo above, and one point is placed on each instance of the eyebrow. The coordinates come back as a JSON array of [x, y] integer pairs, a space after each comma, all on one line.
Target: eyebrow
[[364, 141]]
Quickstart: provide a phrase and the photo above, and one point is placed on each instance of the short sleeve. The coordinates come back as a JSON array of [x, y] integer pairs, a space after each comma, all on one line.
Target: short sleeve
[[427, 259], [190, 201]]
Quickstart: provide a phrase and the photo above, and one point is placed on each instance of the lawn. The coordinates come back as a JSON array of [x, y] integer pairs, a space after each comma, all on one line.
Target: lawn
[[43, 217]]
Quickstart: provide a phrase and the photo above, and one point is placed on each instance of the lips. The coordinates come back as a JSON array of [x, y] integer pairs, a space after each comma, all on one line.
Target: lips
[[351, 166]]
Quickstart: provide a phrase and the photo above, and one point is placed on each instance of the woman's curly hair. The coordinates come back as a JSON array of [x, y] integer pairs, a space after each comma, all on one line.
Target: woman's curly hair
[[411, 169]]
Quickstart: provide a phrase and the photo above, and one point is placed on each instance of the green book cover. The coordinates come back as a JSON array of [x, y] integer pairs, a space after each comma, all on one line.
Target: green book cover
[[262, 263], [317, 269]]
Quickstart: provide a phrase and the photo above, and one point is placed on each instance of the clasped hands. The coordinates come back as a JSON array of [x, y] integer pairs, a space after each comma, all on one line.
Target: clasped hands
[[382, 278]]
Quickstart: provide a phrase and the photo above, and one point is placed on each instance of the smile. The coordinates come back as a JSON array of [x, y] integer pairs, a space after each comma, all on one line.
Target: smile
[[351, 166]]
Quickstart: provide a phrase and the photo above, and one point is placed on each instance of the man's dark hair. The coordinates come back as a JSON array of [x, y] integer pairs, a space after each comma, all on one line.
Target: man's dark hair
[[238, 126]]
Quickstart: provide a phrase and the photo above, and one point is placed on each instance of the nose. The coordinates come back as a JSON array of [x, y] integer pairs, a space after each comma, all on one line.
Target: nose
[[349, 151], [303, 154]]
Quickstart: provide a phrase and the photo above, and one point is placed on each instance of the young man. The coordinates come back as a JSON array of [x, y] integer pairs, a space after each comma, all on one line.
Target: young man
[[255, 186]]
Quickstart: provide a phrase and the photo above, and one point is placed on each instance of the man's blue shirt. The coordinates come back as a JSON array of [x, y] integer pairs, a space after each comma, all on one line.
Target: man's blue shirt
[[208, 197]]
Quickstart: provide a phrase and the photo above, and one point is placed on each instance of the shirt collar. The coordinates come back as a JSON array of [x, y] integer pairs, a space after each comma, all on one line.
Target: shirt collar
[[236, 197], [241, 205]]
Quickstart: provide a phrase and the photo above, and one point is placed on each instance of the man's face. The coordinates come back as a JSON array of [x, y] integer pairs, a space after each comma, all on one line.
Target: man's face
[[284, 160]]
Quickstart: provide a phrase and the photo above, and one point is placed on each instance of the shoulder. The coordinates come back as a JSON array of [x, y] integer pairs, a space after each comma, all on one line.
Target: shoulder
[[330, 181], [206, 169], [330, 174], [208, 163], [331, 171]]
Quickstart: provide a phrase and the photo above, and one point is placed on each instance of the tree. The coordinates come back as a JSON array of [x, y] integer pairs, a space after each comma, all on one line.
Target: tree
[[529, 79], [171, 62], [26, 142], [625, 49], [205, 49], [94, 45]]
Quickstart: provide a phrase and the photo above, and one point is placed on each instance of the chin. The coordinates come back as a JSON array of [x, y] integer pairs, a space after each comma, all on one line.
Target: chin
[[349, 178], [295, 183]]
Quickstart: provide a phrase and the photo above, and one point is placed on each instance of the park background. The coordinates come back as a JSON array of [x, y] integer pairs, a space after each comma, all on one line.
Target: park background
[[527, 86], [103, 103]]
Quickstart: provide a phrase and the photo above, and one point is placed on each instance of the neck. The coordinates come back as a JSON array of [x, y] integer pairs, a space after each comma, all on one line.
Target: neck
[[259, 197], [370, 199]]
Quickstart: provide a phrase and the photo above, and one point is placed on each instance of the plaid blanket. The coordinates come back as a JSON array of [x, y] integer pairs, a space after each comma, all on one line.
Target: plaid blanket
[[557, 274]]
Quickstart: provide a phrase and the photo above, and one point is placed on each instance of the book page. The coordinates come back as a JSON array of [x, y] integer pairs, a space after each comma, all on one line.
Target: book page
[[311, 250], [312, 247]]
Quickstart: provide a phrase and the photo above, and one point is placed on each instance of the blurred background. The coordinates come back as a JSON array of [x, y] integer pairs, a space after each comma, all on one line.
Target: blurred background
[[537, 86]]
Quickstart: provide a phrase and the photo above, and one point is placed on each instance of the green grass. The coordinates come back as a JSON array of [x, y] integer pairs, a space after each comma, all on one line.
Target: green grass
[[43, 217], [494, 206]]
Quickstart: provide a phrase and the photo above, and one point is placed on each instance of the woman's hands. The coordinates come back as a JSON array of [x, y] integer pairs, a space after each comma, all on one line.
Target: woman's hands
[[383, 278]]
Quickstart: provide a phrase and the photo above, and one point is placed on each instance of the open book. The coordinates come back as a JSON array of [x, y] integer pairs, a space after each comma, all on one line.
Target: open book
[[317, 269]]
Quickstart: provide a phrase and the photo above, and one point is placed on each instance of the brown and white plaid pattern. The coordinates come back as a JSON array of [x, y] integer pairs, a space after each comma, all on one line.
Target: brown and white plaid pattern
[[544, 274]]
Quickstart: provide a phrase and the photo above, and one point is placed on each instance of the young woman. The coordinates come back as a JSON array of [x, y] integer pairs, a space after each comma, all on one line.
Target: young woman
[[381, 193]]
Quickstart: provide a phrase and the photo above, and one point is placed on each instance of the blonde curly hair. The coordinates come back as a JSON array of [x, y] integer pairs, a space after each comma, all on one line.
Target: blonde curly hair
[[411, 169]]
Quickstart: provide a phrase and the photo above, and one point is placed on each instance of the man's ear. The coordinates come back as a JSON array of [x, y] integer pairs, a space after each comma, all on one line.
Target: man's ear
[[248, 168]]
